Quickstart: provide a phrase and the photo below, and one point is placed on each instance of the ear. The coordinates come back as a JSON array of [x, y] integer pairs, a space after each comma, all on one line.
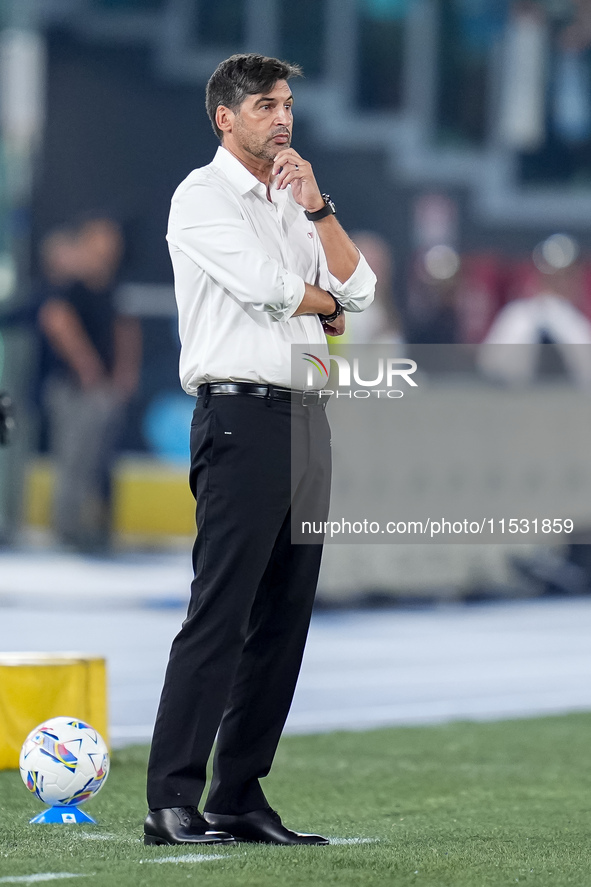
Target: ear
[[224, 118]]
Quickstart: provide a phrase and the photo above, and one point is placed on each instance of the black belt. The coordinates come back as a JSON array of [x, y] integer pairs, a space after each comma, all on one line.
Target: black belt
[[270, 392]]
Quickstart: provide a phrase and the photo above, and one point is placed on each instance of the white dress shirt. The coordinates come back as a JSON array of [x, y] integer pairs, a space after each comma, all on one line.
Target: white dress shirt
[[240, 264]]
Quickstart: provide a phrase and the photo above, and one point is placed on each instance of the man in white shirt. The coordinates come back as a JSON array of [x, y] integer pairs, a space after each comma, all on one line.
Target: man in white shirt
[[255, 249]]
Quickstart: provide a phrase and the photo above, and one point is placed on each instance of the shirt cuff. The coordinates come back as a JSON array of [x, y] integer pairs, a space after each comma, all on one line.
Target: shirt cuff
[[356, 293], [294, 288]]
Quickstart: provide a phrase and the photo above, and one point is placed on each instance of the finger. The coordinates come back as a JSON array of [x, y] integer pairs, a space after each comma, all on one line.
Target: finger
[[285, 158], [290, 177], [284, 169], [282, 179], [280, 163]]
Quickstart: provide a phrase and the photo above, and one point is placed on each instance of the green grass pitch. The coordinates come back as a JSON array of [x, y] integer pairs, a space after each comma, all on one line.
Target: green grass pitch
[[464, 805]]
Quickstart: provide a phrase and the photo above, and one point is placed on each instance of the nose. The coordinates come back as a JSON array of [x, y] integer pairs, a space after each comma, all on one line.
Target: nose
[[283, 116]]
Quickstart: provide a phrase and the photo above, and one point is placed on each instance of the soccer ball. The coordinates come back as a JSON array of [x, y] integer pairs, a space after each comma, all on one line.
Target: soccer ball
[[64, 761]]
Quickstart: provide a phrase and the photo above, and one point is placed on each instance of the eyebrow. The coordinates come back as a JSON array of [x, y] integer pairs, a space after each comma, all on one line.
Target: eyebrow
[[269, 99]]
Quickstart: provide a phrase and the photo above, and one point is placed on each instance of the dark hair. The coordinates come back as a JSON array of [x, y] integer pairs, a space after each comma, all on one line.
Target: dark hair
[[240, 76]]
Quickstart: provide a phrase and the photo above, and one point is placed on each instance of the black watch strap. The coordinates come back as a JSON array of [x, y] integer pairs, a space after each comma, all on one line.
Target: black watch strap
[[338, 310], [329, 209]]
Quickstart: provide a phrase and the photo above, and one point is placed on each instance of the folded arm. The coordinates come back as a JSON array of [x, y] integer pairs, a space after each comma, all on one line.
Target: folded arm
[[343, 269], [210, 229]]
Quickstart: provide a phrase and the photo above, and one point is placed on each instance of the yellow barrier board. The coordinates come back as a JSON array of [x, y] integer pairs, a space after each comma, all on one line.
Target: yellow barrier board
[[151, 499], [38, 686]]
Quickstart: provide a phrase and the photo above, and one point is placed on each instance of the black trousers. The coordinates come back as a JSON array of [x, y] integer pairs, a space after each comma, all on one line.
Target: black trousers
[[234, 665]]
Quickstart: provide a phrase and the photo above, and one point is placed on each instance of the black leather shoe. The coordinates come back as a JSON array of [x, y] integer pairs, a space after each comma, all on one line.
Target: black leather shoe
[[260, 826], [181, 825]]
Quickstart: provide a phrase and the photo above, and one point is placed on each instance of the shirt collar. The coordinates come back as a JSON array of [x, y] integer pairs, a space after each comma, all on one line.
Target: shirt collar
[[237, 174]]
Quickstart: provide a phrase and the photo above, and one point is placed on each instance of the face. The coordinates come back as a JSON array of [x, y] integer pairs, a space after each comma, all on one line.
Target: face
[[263, 124], [60, 257], [101, 247]]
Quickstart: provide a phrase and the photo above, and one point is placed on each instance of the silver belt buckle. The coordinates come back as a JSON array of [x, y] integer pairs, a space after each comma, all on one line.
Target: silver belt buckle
[[310, 398]]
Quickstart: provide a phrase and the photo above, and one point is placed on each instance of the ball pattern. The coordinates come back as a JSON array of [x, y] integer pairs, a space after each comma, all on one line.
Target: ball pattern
[[64, 761]]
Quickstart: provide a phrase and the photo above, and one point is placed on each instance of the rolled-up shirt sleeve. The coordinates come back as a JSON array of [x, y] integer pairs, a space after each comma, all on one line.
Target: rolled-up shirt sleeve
[[355, 294], [209, 228]]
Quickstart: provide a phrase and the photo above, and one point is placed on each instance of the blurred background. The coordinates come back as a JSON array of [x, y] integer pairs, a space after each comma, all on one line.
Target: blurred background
[[455, 139], [455, 136]]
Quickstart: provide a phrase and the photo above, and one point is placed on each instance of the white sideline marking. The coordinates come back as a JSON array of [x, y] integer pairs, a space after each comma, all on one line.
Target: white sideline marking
[[44, 876], [190, 857], [353, 840], [104, 837]]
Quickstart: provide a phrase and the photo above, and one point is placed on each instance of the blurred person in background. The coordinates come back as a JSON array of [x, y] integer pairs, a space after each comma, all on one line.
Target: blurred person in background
[[547, 312], [58, 260], [95, 371]]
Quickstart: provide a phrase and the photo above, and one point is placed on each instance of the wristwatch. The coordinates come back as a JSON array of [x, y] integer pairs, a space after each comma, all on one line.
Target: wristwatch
[[329, 209], [338, 310]]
